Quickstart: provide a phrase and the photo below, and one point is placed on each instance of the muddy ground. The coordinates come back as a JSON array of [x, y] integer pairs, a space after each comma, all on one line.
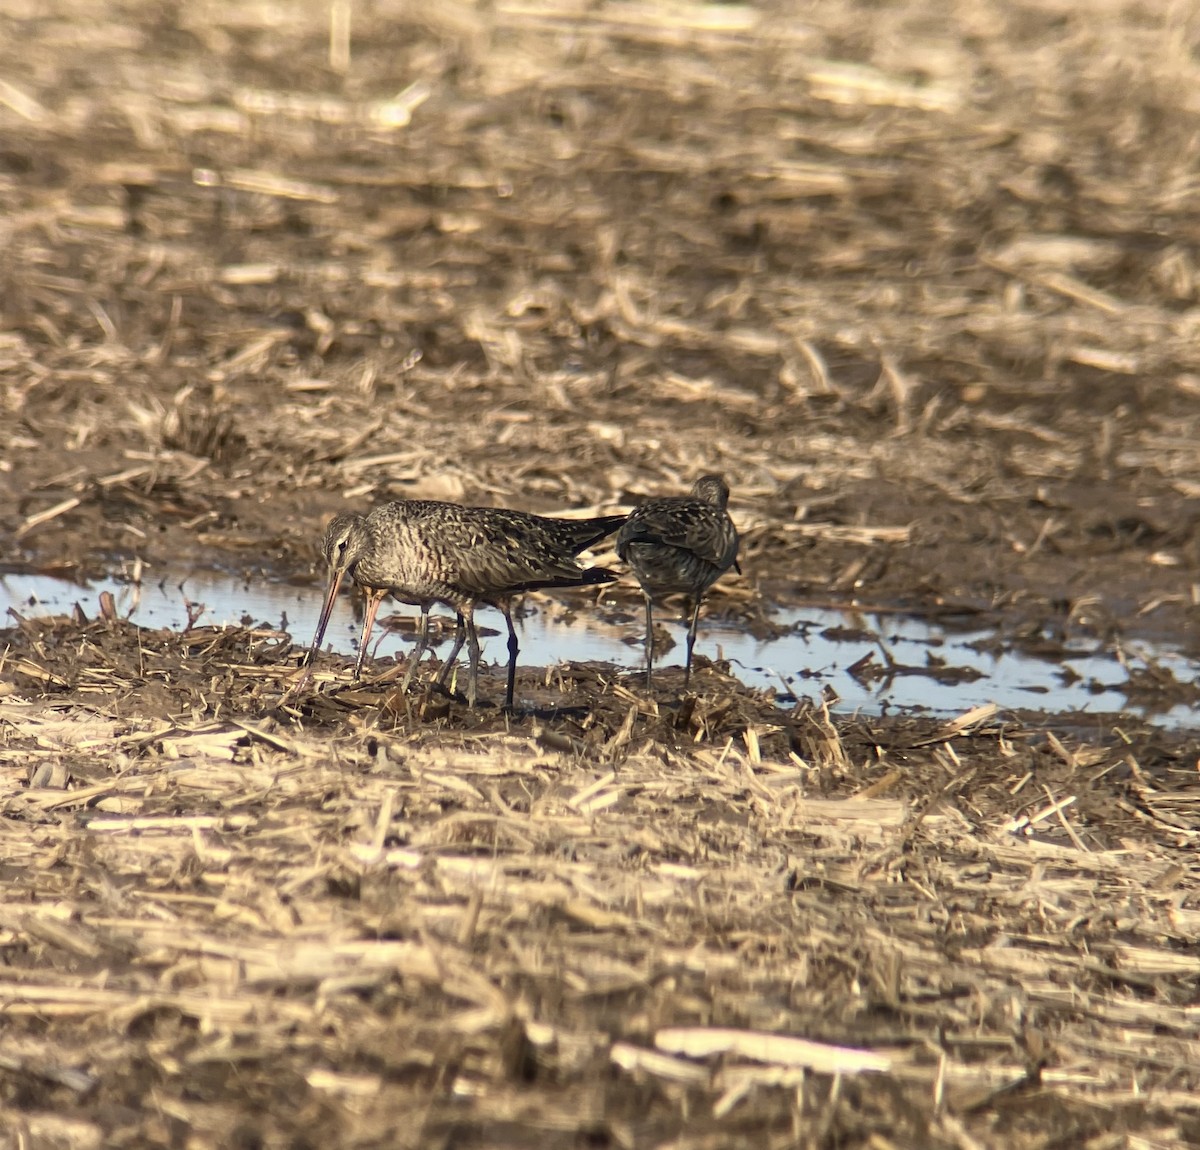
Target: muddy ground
[[920, 282]]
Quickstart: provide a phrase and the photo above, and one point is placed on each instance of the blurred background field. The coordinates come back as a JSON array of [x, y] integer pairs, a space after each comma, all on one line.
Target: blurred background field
[[927, 266]]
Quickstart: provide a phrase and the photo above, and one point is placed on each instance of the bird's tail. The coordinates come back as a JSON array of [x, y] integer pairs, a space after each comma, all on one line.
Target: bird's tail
[[580, 534], [588, 577]]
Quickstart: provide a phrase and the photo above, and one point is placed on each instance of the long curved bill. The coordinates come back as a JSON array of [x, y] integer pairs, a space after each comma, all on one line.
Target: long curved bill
[[335, 581]]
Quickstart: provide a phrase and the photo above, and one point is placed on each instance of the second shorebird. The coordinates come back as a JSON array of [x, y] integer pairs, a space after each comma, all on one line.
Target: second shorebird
[[680, 544], [425, 552]]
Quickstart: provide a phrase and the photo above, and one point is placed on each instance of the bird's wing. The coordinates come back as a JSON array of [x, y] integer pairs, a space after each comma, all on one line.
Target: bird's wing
[[698, 528], [502, 551]]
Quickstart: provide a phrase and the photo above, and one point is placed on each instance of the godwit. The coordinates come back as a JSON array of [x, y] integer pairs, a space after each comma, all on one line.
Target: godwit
[[684, 543], [425, 552]]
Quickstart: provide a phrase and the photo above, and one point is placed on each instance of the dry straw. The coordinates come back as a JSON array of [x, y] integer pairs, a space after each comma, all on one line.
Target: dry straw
[[918, 279]]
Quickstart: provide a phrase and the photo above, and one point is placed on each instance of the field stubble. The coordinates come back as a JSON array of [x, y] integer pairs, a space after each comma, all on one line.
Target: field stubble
[[921, 284]]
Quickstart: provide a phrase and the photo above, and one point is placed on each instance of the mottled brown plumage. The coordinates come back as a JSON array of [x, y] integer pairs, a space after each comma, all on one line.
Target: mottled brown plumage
[[680, 544], [425, 552]]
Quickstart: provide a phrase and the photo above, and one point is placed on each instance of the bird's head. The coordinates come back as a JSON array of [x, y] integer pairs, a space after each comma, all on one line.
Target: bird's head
[[344, 543], [712, 489]]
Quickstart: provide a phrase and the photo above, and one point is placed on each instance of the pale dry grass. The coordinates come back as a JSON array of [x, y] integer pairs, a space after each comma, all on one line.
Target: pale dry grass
[[893, 214], [908, 934], [566, 255]]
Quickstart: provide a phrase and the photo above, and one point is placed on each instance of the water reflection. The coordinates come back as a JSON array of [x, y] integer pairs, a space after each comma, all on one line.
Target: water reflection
[[870, 662]]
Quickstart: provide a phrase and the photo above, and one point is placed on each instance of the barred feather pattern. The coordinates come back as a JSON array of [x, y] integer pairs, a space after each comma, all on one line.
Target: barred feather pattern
[[424, 552], [680, 544], [447, 553]]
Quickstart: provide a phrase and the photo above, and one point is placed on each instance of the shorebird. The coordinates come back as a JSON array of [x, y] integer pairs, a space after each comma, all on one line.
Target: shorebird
[[425, 552], [680, 544]]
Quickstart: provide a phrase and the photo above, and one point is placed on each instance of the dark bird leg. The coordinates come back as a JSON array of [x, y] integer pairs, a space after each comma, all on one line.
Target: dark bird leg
[[513, 647], [375, 596], [418, 651], [460, 634], [691, 642], [649, 642]]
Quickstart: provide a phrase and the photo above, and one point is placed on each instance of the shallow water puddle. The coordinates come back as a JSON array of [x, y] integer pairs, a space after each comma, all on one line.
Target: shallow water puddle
[[871, 662]]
